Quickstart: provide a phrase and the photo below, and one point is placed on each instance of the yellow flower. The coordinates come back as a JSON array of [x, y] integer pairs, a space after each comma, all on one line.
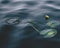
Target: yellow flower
[[46, 17]]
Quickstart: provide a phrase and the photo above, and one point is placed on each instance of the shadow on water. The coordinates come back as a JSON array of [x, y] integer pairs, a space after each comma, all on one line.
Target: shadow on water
[[4, 34]]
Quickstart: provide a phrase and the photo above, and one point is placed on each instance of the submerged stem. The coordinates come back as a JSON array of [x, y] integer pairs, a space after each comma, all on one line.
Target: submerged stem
[[34, 28]]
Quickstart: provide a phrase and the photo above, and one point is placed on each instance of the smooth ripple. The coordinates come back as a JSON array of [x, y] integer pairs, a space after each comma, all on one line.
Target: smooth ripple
[[36, 13]]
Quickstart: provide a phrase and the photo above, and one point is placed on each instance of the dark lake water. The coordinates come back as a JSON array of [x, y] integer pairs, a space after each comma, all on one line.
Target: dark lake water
[[23, 24]]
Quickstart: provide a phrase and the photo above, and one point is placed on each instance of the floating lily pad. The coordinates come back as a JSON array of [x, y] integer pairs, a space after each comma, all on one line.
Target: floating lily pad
[[48, 33], [13, 20], [53, 23]]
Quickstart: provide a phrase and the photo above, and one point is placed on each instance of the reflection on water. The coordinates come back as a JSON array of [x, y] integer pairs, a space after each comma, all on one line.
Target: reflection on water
[[23, 35]]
